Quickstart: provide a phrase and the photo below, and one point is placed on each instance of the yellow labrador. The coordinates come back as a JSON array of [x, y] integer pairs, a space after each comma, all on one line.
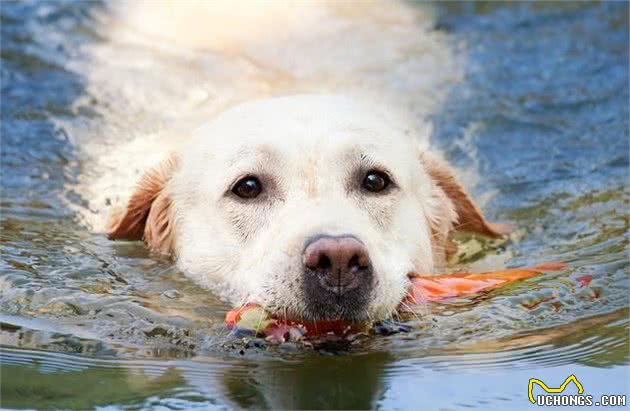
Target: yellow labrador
[[313, 195], [316, 206]]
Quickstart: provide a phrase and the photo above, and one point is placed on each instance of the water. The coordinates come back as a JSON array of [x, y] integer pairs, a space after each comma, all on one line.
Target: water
[[541, 115]]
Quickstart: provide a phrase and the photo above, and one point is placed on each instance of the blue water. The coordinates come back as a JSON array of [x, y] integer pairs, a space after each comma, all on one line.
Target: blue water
[[542, 116]]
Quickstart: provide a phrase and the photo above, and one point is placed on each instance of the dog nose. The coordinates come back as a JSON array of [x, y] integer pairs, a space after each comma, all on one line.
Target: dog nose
[[339, 263]]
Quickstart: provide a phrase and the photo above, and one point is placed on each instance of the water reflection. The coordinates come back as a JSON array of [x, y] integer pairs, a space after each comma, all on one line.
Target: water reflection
[[54, 380], [330, 382], [299, 380]]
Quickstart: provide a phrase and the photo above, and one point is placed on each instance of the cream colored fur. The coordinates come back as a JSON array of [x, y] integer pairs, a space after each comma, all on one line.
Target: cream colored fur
[[358, 82]]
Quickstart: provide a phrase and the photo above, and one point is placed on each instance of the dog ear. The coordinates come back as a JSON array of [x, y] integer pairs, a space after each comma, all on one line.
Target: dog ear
[[458, 213], [148, 214]]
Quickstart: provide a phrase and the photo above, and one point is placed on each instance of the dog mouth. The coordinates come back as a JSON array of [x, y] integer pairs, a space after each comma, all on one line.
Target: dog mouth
[[339, 316], [318, 300], [328, 314], [347, 301], [351, 307]]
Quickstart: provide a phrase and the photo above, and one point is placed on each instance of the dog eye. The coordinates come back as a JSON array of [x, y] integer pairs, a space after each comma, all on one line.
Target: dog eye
[[375, 181], [248, 187]]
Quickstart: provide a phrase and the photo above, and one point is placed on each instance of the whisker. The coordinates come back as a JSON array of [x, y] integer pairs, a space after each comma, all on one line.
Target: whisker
[[411, 310]]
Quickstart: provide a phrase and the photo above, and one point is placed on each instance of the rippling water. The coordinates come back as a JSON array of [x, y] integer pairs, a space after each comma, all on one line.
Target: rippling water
[[542, 116]]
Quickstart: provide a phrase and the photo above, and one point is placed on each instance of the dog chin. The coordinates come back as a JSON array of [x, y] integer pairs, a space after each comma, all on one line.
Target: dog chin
[[351, 311]]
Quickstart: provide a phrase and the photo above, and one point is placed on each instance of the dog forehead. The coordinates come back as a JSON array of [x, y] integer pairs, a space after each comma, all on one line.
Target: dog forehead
[[321, 123]]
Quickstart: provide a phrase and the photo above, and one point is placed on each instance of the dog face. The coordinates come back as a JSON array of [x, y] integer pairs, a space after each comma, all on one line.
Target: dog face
[[315, 207]]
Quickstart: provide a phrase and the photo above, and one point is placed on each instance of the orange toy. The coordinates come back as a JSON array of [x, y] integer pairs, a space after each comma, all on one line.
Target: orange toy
[[439, 287], [423, 289]]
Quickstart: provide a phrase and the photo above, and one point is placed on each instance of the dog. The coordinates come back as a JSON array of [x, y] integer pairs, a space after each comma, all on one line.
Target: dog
[[312, 205], [313, 196]]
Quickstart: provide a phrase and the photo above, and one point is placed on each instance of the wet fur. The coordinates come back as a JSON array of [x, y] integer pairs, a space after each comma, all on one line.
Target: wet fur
[[253, 247], [217, 81]]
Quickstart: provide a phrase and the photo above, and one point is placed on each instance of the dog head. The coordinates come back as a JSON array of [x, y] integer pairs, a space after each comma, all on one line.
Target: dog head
[[316, 207]]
